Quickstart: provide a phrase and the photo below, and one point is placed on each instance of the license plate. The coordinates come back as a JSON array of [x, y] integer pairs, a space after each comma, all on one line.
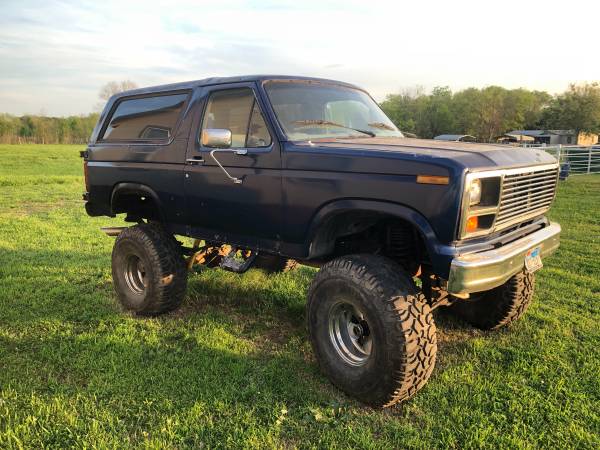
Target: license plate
[[533, 259]]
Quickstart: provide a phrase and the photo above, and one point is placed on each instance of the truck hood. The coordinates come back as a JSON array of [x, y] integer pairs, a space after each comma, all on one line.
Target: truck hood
[[472, 156]]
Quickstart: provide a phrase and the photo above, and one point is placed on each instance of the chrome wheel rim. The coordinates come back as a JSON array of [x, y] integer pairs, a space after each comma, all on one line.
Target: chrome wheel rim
[[350, 334], [135, 274]]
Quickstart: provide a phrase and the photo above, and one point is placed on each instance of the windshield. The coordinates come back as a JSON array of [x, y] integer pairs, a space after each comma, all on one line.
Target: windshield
[[316, 110]]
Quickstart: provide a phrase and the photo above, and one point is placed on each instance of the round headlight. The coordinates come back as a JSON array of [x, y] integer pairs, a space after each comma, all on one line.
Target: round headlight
[[475, 191]]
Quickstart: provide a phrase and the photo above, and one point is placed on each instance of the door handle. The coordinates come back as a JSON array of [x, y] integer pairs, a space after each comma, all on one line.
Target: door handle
[[236, 152], [194, 160]]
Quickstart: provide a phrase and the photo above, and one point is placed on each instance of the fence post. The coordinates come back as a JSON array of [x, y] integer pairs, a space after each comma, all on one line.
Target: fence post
[[589, 159], [558, 152]]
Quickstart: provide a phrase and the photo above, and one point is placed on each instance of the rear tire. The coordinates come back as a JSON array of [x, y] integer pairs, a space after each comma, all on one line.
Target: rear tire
[[149, 272], [498, 307], [371, 330], [275, 264]]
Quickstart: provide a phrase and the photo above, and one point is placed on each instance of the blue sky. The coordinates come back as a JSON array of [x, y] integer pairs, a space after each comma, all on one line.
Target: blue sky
[[56, 55]]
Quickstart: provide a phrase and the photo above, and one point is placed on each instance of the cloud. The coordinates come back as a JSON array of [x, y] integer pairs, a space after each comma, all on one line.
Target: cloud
[[57, 55]]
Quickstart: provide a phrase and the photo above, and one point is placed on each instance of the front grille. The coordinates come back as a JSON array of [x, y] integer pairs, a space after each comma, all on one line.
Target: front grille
[[526, 194]]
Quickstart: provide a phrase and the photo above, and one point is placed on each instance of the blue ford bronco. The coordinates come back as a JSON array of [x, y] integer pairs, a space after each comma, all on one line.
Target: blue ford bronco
[[269, 171]]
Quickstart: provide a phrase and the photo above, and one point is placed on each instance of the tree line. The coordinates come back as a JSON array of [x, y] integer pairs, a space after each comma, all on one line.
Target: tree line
[[492, 111], [485, 113], [32, 129], [39, 129]]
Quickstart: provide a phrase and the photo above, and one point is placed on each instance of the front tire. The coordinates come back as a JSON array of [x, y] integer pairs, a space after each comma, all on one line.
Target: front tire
[[371, 330], [498, 307], [149, 272]]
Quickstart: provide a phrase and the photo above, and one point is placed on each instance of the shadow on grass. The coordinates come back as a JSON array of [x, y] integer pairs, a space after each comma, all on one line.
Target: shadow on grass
[[109, 357], [60, 324], [256, 295], [174, 370], [453, 336]]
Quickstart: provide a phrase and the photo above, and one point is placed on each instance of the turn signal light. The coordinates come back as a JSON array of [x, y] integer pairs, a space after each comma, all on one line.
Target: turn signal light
[[472, 224], [432, 179]]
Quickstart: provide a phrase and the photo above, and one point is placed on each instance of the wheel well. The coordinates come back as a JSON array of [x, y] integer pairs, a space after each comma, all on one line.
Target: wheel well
[[137, 202], [370, 232]]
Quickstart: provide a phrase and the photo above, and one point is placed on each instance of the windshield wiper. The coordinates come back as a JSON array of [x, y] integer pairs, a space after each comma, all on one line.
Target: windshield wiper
[[382, 125], [319, 122]]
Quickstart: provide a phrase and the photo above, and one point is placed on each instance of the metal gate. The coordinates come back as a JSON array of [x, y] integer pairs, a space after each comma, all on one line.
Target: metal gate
[[578, 158]]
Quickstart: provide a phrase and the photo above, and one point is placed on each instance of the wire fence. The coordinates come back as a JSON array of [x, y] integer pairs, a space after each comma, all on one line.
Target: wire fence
[[576, 159]]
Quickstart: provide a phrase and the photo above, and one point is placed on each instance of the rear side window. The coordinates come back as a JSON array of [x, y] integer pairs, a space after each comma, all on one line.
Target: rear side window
[[146, 118]]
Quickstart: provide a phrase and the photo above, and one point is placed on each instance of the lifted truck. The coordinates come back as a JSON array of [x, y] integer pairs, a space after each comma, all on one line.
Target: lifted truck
[[269, 170]]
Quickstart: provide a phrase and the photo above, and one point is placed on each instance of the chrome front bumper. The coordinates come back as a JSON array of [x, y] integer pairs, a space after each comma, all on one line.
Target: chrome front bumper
[[477, 272]]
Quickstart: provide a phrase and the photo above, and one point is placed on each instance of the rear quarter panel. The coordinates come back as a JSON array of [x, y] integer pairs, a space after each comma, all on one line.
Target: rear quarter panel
[[156, 165]]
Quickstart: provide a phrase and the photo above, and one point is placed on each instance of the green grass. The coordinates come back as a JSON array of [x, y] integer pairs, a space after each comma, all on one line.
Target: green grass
[[233, 368]]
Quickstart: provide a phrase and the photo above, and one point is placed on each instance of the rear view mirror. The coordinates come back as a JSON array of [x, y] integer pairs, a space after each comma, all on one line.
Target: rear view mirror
[[216, 137]]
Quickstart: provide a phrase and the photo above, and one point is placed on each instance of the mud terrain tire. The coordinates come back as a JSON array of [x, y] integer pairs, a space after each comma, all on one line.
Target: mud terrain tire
[[148, 269], [498, 307], [389, 311]]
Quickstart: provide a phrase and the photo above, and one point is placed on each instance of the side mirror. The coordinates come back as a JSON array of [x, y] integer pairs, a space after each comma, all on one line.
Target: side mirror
[[216, 137]]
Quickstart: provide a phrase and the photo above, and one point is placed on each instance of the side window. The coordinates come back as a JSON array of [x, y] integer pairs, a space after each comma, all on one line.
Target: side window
[[236, 110], [258, 133], [146, 118]]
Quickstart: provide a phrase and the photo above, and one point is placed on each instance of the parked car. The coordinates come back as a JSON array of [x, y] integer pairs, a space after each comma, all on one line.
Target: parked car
[[272, 170]]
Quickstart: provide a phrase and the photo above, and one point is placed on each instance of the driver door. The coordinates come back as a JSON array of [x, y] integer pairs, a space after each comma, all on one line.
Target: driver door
[[247, 213]]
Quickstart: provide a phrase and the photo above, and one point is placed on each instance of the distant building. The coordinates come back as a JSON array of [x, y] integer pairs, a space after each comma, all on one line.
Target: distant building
[[510, 138], [556, 137], [587, 138], [456, 137]]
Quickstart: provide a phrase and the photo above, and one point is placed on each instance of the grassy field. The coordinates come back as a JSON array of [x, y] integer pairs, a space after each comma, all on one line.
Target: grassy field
[[233, 368]]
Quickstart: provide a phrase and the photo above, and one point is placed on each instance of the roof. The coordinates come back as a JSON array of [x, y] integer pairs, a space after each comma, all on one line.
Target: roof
[[562, 132], [529, 132], [452, 137], [223, 80], [518, 137], [540, 133]]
